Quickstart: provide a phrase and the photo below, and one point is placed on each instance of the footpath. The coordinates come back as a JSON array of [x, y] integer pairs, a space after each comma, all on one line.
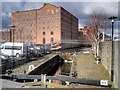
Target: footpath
[[87, 68]]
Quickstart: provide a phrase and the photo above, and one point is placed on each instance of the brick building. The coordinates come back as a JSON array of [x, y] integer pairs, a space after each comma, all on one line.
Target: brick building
[[86, 40], [47, 25], [5, 35]]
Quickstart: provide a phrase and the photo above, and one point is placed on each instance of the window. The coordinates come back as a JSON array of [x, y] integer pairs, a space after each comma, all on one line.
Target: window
[[56, 21], [43, 33], [42, 12], [56, 16], [31, 37], [26, 13], [27, 37], [52, 21], [52, 11], [38, 13], [17, 47], [51, 41], [26, 19], [44, 41], [21, 32], [43, 22], [13, 47], [8, 47], [30, 13], [30, 25], [48, 11], [43, 27], [26, 31], [16, 32], [20, 37], [31, 31], [52, 16], [47, 22], [43, 17], [16, 37], [48, 27], [56, 11], [52, 26], [52, 33], [47, 16], [56, 26]]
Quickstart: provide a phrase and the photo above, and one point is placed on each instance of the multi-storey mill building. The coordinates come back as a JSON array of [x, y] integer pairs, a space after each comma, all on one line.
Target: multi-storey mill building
[[48, 25]]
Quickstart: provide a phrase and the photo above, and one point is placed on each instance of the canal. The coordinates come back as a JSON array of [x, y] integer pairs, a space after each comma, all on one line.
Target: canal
[[61, 68]]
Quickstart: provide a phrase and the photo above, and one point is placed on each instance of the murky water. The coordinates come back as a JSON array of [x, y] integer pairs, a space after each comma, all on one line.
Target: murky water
[[61, 68]]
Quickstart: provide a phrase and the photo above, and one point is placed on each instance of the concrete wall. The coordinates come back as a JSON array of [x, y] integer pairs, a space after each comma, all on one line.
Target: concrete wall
[[106, 59], [117, 64], [46, 67], [106, 55]]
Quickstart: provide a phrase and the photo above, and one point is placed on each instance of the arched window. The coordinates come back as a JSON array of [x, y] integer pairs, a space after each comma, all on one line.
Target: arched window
[[51, 41], [52, 33], [43, 33], [44, 41]]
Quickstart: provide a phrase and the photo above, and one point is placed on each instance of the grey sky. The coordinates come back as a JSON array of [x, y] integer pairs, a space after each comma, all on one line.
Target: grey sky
[[80, 9]]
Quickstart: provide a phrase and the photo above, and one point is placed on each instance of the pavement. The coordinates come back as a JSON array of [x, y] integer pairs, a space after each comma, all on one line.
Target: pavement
[[10, 84], [87, 67]]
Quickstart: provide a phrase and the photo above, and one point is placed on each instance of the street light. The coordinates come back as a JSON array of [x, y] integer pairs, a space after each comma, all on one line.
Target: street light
[[112, 58], [13, 29]]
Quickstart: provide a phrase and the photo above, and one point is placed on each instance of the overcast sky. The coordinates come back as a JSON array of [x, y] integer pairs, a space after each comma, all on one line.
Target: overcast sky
[[79, 9]]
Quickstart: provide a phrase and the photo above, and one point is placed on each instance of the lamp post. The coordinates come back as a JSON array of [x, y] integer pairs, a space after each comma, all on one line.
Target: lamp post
[[112, 58], [13, 29]]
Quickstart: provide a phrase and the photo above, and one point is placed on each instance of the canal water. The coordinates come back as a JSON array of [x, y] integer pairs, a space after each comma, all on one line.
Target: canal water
[[61, 68]]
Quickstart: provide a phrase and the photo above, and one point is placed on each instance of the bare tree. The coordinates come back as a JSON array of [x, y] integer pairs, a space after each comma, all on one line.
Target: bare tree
[[98, 23]]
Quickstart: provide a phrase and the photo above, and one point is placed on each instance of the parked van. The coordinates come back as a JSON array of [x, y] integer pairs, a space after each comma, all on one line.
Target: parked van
[[14, 49]]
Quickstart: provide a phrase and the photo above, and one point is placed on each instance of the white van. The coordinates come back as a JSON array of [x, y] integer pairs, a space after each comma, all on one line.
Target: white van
[[14, 49]]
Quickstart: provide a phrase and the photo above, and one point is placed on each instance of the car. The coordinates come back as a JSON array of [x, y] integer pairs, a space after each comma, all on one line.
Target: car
[[6, 62], [47, 48], [35, 51], [14, 49]]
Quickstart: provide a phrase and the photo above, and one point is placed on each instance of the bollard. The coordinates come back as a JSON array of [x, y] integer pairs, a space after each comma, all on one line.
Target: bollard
[[43, 80], [50, 81], [97, 60], [35, 80], [67, 83]]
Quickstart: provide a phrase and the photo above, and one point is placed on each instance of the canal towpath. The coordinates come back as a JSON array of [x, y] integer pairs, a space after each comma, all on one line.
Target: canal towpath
[[86, 67]]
